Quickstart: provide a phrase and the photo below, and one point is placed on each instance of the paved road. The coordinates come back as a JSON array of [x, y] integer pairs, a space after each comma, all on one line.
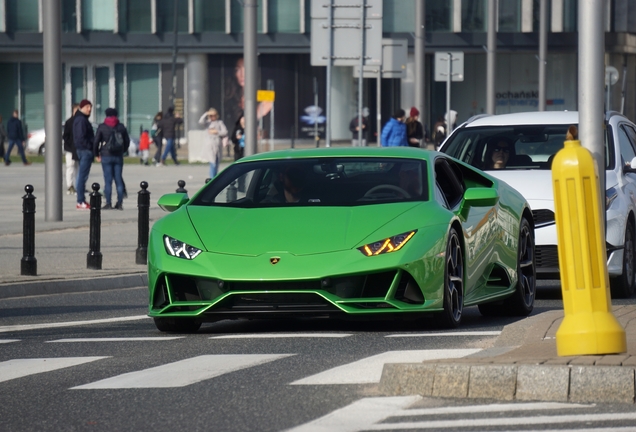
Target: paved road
[[115, 371]]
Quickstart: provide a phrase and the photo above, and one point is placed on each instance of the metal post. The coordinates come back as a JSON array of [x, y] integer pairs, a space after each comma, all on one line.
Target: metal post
[[316, 137], [491, 56], [52, 48], [181, 188], [449, 78], [543, 48], [329, 72], [94, 256], [270, 86], [361, 76], [250, 60], [175, 31], [378, 84], [420, 58], [28, 264], [143, 224], [591, 84]]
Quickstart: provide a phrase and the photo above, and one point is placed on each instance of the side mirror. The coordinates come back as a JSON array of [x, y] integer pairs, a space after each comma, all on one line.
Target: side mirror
[[481, 197], [172, 201], [631, 167]]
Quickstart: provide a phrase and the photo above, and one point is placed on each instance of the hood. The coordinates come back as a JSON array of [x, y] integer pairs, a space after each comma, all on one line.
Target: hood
[[532, 184], [299, 231], [111, 121]]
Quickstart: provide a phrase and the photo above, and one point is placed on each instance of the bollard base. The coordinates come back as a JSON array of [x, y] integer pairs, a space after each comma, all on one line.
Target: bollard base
[[94, 260], [141, 256], [590, 333], [29, 266]]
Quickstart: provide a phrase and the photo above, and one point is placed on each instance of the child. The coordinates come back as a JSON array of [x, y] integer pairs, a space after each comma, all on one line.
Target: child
[[144, 147]]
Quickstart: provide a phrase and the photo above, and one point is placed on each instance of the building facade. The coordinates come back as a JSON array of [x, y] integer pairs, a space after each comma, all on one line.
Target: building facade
[[119, 53]]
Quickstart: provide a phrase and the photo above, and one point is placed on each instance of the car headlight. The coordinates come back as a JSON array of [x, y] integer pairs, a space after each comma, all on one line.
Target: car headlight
[[391, 244], [610, 196], [179, 249]]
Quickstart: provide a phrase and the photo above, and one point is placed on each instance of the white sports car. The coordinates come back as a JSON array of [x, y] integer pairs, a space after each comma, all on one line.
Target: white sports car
[[526, 143]]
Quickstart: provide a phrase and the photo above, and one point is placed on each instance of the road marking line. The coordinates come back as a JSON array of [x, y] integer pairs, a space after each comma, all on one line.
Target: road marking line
[[24, 327], [369, 369], [532, 406], [282, 335], [8, 340], [19, 368], [506, 421], [118, 339], [359, 415], [466, 333], [183, 372]]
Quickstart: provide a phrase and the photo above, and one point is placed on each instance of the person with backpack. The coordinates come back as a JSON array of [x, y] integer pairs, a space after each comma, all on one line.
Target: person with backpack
[[111, 141]]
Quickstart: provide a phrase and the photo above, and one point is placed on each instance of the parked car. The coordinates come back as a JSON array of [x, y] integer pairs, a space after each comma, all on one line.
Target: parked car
[[535, 137], [342, 232]]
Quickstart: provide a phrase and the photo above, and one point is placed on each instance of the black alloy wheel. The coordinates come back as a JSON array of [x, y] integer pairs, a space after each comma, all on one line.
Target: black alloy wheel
[[451, 317], [623, 286]]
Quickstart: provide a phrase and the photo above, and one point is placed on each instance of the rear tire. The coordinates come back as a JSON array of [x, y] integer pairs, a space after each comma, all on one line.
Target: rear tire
[[451, 317], [521, 302], [177, 325], [623, 286]]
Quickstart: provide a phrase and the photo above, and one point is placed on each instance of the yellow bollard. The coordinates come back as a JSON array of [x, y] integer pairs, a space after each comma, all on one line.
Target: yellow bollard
[[589, 327]]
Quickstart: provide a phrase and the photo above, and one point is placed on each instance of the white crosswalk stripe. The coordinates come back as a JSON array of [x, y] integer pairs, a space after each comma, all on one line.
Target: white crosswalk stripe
[[118, 339], [282, 335], [19, 368], [369, 370], [3, 341], [384, 413], [458, 333], [183, 372]]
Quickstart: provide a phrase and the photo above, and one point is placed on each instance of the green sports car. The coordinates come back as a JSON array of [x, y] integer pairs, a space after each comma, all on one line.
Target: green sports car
[[342, 232]]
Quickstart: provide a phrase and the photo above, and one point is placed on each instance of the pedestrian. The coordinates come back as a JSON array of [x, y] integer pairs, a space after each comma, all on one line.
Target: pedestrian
[[157, 137], [3, 137], [15, 133], [355, 130], [238, 138], [414, 129], [83, 137], [111, 141], [144, 147], [70, 155], [168, 124], [212, 152], [394, 131]]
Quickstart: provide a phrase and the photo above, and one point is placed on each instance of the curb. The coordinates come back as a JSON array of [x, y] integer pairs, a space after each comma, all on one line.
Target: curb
[[580, 384], [59, 286]]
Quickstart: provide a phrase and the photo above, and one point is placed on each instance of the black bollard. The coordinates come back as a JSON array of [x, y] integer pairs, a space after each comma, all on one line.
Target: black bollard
[[28, 264], [94, 256], [143, 204], [181, 188], [231, 194]]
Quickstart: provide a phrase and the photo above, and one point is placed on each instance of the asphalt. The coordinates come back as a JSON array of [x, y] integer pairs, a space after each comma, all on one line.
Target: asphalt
[[522, 364]]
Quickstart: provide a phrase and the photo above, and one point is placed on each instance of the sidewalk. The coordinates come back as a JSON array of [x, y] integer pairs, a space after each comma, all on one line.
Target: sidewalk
[[522, 364]]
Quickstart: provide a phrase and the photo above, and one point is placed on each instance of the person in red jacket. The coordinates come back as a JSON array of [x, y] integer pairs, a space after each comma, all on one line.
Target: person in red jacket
[[144, 147]]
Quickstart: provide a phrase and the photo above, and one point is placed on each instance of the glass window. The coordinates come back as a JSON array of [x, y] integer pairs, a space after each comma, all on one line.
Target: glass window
[[237, 17], [509, 16], [438, 16], [209, 16], [165, 16], [283, 16], [119, 90], [474, 15], [102, 94], [570, 12], [135, 16], [22, 16], [536, 12], [98, 15], [398, 16], [32, 92], [143, 96], [78, 84], [8, 90], [69, 16], [627, 149]]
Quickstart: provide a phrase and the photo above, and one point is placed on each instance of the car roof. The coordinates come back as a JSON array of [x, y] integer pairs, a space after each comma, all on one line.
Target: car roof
[[376, 152], [527, 118]]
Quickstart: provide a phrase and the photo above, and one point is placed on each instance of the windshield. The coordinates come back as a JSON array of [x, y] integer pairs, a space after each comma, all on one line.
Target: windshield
[[509, 147], [317, 182]]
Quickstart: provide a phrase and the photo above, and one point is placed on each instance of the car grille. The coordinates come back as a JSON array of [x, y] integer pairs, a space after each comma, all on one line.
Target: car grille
[[546, 256], [542, 217]]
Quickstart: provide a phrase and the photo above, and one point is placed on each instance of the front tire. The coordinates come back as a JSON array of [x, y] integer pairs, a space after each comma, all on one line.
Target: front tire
[[451, 317], [42, 150], [177, 325], [623, 286]]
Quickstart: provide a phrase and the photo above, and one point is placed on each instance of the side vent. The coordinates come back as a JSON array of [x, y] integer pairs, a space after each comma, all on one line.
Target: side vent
[[408, 290]]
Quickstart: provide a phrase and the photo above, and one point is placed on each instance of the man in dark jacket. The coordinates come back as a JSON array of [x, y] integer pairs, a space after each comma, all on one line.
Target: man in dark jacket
[[112, 159], [15, 133], [168, 124], [83, 137], [70, 154]]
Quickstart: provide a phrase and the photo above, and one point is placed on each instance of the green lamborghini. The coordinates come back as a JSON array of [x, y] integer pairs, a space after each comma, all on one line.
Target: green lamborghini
[[342, 232]]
